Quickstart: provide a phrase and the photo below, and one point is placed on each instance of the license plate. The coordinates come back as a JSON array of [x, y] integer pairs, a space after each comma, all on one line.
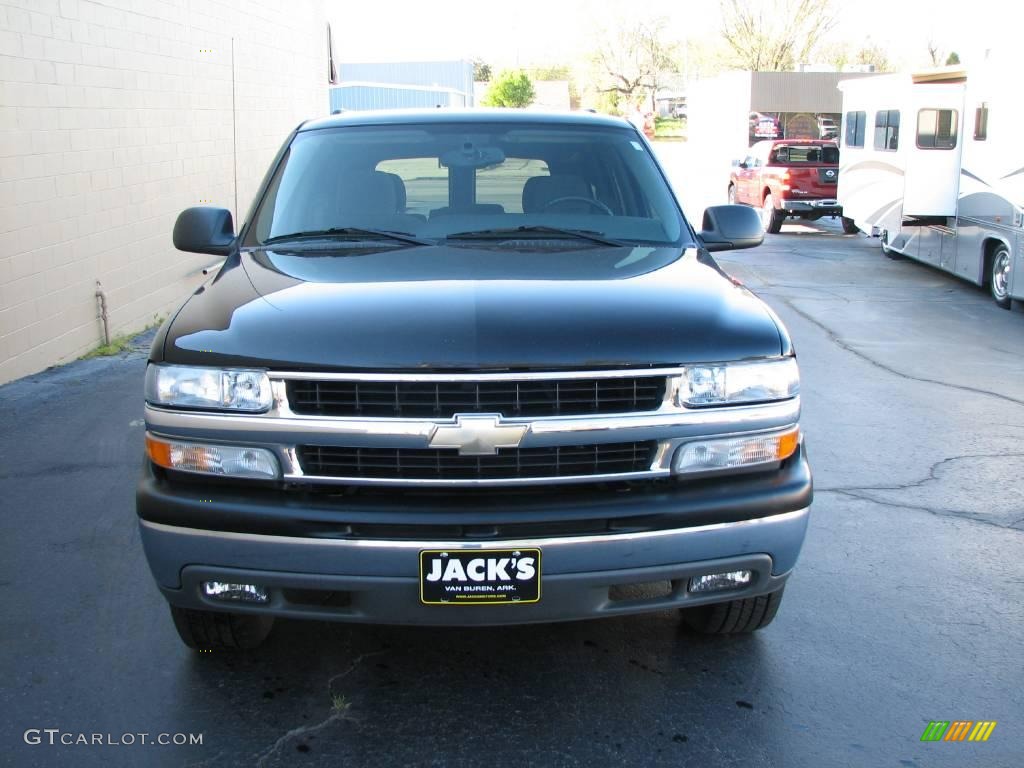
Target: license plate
[[479, 576]]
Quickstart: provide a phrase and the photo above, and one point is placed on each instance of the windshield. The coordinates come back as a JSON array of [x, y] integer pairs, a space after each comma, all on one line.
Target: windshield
[[461, 180]]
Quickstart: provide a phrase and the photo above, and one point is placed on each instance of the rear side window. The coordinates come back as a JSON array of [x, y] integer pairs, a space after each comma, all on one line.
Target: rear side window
[[505, 184], [424, 179], [887, 130], [798, 154], [936, 128], [855, 122]]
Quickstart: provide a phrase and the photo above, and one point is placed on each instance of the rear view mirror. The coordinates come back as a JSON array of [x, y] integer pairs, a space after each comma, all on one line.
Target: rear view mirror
[[204, 230], [731, 227], [471, 155]]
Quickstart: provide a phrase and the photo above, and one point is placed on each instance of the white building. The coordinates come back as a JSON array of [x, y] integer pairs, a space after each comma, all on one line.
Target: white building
[[114, 116]]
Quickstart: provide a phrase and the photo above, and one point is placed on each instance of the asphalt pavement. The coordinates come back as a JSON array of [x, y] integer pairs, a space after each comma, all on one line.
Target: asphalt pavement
[[906, 606]]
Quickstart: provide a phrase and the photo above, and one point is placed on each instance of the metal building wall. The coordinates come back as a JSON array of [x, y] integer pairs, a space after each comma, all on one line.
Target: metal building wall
[[361, 97], [403, 85], [813, 92]]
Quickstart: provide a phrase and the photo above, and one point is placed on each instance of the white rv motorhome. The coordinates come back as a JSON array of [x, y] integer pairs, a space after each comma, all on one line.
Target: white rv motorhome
[[933, 163]]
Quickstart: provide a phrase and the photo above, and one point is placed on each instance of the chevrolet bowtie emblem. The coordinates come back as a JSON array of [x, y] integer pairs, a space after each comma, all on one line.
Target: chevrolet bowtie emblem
[[478, 435]]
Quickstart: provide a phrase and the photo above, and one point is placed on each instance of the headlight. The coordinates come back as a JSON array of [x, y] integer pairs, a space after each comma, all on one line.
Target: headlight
[[736, 383], [210, 388]]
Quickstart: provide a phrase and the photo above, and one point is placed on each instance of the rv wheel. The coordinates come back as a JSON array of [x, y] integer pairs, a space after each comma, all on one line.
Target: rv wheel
[[886, 250], [999, 277]]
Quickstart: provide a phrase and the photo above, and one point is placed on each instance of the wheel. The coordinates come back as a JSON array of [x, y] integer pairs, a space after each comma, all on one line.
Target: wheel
[[216, 631], [999, 277], [888, 252], [578, 199], [771, 219], [732, 194], [849, 226], [735, 617]]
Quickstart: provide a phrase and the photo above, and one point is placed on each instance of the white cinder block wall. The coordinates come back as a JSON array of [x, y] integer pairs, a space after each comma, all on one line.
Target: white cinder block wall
[[114, 116]]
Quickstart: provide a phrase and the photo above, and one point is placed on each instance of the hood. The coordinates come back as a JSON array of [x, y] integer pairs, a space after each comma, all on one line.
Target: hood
[[471, 308]]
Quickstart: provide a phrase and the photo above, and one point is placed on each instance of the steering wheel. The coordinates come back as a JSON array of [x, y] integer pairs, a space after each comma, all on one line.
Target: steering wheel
[[578, 199]]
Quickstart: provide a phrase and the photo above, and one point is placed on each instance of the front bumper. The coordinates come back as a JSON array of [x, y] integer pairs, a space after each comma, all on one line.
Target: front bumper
[[826, 207], [357, 559], [377, 581]]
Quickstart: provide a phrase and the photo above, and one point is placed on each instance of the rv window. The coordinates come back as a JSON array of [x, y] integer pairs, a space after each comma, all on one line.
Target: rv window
[[855, 129], [981, 122], [887, 129], [936, 128]]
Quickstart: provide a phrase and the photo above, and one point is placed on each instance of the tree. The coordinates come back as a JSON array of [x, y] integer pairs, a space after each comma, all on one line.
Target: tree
[[633, 59], [953, 59], [481, 71], [511, 88], [873, 54], [775, 35], [556, 72]]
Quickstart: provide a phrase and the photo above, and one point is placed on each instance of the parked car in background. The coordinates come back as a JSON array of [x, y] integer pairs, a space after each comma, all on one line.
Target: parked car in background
[[789, 178], [763, 126], [828, 128]]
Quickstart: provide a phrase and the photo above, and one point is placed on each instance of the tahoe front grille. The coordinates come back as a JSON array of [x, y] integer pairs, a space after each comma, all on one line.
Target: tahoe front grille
[[444, 399], [509, 463]]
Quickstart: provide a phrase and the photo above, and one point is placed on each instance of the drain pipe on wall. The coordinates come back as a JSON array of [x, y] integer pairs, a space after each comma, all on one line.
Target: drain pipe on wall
[[102, 297]]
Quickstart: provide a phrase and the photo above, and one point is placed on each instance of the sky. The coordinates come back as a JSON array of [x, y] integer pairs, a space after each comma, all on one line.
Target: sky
[[543, 32]]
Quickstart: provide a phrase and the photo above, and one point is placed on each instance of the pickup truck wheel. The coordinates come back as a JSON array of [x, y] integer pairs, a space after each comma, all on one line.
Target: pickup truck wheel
[[734, 617], [771, 219], [849, 226], [732, 194], [215, 631], [999, 277]]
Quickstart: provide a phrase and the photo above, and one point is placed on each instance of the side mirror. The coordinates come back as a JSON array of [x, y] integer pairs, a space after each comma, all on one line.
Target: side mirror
[[204, 230], [731, 227]]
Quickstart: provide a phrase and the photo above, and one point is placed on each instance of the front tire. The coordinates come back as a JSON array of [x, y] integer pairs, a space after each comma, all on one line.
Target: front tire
[[735, 617], [732, 194], [999, 277], [849, 226], [771, 218], [216, 631]]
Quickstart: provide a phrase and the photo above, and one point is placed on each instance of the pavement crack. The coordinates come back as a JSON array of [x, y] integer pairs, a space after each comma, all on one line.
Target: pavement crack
[[932, 475], [834, 338], [336, 715], [949, 513], [864, 492]]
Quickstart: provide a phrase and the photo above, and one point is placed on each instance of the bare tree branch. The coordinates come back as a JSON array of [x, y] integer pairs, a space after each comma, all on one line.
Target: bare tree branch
[[775, 35]]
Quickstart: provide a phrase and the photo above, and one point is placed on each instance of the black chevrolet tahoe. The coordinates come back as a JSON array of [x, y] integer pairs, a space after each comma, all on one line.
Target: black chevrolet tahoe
[[465, 368]]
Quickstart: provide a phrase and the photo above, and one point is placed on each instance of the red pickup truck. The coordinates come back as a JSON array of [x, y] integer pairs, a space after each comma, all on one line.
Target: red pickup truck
[[789, 178]]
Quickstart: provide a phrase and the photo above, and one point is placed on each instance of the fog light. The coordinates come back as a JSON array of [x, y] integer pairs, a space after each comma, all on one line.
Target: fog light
[[714, 582], [235, 593]]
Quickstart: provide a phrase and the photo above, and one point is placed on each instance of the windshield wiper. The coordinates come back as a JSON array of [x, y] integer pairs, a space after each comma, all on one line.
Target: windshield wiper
[[349, 232], [510, 233]]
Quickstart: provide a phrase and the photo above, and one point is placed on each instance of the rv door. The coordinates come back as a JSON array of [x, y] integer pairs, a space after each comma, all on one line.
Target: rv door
[[933, 137]]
